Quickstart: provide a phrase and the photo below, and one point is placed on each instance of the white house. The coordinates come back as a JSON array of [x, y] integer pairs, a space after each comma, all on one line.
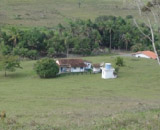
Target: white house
[[145, 54], [71, 65], [108, 72]]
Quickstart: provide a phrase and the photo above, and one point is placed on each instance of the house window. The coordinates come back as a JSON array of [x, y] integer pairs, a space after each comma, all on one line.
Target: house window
[[75, 68], [81, 68]]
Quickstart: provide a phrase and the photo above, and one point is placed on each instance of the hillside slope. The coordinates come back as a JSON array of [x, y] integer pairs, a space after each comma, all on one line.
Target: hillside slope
[[52, 12]]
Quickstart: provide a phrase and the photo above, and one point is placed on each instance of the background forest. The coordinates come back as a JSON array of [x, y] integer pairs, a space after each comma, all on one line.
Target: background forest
[[84, 37]]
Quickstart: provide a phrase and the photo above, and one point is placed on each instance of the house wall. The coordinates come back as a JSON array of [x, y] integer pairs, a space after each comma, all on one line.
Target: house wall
[[77, 69], [64, 70], [141, 55]]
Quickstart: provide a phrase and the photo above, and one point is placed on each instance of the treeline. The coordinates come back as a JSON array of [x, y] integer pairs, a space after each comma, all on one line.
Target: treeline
[[83, 37]]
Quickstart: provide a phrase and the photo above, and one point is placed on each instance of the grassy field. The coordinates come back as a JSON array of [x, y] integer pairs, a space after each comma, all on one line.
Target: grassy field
[[31, 13], [132, 101]]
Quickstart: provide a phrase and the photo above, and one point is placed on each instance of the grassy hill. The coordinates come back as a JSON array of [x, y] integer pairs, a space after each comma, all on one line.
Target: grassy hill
[[131, 101], [51, 12]]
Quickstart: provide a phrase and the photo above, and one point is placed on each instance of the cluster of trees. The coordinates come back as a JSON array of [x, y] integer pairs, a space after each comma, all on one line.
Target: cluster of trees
[[78, 37]]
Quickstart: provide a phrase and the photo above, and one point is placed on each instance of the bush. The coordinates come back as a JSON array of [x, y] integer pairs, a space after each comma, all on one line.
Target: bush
[[119, 61], [116, 70], [129, 17], [46, 68]]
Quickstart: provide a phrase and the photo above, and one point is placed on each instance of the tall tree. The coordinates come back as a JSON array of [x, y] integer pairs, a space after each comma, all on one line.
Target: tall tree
[[147, 12], [110, 28]]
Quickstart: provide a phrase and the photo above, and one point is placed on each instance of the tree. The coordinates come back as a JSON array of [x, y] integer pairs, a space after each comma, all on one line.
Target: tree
[[67, 42], [51, 52], [46, 68], [126, 37], [79, 3], [32, 54], [5, 49], [110, 27], [149, 22], [15, 35], [9, 63]]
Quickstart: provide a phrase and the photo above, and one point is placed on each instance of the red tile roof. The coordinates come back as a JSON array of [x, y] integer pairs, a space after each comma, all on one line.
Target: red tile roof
[[150, 54], [72, 62]]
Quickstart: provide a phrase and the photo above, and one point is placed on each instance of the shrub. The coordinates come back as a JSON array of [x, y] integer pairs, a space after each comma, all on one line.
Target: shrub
[[116, 70], [129, 17], [119, 61], [46, 68]]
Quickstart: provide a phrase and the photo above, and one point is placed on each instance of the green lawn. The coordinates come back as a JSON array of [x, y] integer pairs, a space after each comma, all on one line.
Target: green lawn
[[83, 101], [31, 13]]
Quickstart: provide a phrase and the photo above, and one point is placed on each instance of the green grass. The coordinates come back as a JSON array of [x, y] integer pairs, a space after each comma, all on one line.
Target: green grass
[[82, 101], [31, 13]]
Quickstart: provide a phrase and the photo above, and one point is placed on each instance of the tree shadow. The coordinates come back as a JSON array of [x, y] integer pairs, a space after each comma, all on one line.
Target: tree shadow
[[16, 75]]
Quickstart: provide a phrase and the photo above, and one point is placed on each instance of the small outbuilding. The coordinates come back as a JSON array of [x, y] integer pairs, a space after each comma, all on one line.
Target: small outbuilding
[[108, 71], [145, 54], [88, 65], [96, 68]]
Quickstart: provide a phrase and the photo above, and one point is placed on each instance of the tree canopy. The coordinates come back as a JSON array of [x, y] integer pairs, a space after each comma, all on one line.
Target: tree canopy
[[78, 37], [9, 63]]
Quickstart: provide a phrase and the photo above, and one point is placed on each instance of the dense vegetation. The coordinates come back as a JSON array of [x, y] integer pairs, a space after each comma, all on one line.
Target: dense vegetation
[[78, 37], [46, 68]]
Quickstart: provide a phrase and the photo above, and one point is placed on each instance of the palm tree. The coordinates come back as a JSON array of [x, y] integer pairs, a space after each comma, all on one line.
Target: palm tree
[[15, 35], [126, 37], [110, 28]]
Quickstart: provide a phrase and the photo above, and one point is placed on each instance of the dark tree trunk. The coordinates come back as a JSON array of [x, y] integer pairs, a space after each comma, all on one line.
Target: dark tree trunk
[[110, 46]]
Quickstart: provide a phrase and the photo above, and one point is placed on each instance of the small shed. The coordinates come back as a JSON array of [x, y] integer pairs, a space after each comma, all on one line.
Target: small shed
[[96, 68], [88, 65], [108, 71]]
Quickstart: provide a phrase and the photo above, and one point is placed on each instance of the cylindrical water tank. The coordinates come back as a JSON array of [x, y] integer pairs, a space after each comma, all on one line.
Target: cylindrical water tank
[[108, 66]]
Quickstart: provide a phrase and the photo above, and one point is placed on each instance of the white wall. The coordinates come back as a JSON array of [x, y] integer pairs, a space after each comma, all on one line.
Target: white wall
[[141, 55], [96, 70], [77, 69], [108, 74], [64, 70]]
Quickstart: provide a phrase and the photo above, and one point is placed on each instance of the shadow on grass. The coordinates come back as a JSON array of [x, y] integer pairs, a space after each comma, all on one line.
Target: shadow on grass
[[16, 75], [74, 74]]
